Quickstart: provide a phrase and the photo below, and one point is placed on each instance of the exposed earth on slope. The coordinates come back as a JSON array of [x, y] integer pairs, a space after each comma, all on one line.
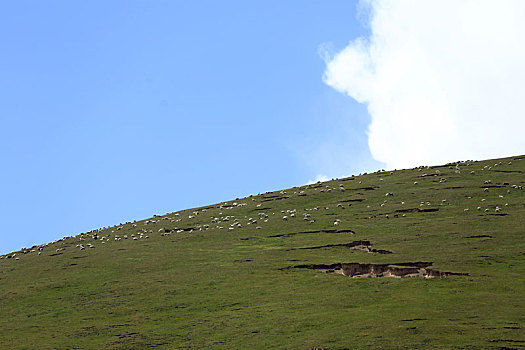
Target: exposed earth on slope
[[398, 270]]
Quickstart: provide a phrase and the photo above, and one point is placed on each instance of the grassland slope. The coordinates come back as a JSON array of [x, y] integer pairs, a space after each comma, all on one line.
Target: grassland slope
[[431, 257]]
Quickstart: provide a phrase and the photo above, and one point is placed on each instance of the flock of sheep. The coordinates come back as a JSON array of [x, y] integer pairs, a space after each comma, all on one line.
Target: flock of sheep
[[144, 229]]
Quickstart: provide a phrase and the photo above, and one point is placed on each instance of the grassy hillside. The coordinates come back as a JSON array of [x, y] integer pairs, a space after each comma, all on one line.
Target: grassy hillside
[[214, 278]]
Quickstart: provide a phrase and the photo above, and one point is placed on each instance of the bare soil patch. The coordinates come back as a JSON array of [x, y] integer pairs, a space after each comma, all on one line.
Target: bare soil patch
[[417, 210], [365, 246], [353, 200], [397, 270], [316, 231]]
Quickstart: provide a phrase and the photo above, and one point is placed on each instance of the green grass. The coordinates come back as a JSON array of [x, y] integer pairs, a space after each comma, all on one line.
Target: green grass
[[233, 289]]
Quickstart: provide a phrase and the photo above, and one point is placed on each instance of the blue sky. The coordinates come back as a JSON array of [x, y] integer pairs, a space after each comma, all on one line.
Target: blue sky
[[118, 110]]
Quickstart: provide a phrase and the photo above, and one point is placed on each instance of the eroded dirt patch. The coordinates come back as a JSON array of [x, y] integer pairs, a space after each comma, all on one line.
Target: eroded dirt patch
[[509, 171], [368, 188], [365, 246], [266, 199], [417, 210], [316, 231], [397, 270]]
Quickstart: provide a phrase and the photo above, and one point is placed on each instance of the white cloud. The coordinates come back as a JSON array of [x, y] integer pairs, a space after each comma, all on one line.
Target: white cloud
[[443, 80], [319, 177]]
